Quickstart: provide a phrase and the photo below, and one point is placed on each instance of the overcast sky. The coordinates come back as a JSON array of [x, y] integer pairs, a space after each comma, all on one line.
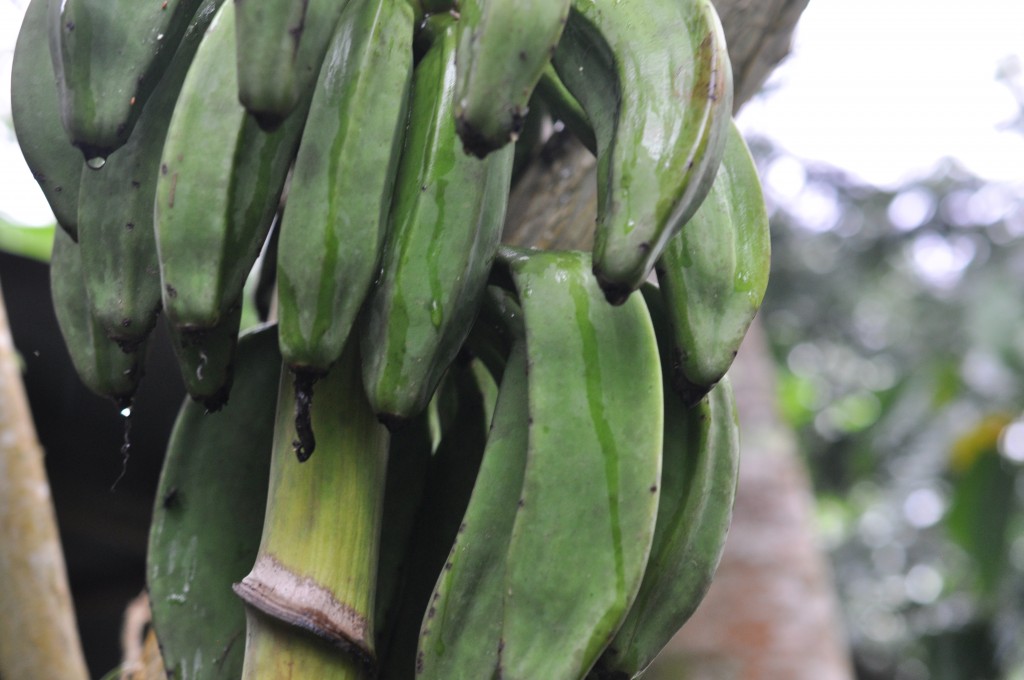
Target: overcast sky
[[881, 88]]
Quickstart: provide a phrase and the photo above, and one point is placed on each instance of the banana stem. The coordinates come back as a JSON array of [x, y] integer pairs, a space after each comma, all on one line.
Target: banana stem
[[38, 637], [275, 649], [310, 594]]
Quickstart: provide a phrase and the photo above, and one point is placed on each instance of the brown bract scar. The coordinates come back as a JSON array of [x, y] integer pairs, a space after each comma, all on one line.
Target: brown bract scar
[[274, 589]]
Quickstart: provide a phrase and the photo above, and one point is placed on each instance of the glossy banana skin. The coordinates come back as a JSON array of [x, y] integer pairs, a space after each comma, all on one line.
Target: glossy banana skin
[[99, 362], [504, 46], [115, 211], [586, 515], [280, 46], [219, 185], [444, 227], [108, 56], [35, 109], [461, 631], [700, 466], [334, 222], [204, 536], [714, 274], [655, 81]]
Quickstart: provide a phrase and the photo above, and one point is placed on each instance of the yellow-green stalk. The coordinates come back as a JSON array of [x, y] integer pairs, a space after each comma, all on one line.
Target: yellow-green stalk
[[310, 594]]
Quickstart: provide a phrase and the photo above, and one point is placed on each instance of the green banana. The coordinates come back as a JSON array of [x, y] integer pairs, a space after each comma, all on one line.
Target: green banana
[[444, 226], [115, 209], [714, 274], [504, 46], [102, 366], [340, 192], [206, 358], [654, 79], [109, 56], [586, 516], [280, 45], [204, 536], [54, 162], [700, 464], [219, 186], [446, 492], [461, 632]]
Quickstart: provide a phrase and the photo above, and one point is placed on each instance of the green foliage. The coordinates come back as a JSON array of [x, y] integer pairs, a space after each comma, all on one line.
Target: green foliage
[[895, 316], [31, 242]]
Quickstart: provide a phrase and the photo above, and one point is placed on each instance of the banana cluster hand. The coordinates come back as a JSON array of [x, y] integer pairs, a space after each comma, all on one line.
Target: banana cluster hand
[[561, 454]]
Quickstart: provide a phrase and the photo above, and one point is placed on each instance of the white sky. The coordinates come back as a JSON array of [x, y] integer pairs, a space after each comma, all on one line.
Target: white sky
[[881, 88], [885, 88]]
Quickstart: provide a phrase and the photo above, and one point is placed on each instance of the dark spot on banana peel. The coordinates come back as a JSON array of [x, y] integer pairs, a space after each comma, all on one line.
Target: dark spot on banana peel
[[419, 663], [129, 226], [171, 499], [136, 184], [654, 488], [170, 193], [305, 443], [70, 25], [522, 55], [163, 168], [126, 323]]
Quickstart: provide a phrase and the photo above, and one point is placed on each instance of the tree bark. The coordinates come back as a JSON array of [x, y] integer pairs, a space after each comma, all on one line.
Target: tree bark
[[38, 636]]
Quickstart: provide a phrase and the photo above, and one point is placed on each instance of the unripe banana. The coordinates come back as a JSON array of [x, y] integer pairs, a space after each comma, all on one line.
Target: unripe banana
[[115, 211], [204, 536], [504, 46], [461, 631], [586, 514], [340, 191], [108, 56], [655, 81], [35, 109], [443, 231], [206, 358], [700, 465], [714, 274], [99, 362], [280, 46], [220, 183]]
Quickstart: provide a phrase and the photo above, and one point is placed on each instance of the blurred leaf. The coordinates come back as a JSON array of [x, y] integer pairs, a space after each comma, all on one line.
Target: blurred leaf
[[983, 501], [855, 412], [797, 399], [968, 652], [31, 242]]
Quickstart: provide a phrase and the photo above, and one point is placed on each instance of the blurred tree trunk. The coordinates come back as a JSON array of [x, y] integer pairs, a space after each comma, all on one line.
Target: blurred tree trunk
[[771, 613], [38, 637]]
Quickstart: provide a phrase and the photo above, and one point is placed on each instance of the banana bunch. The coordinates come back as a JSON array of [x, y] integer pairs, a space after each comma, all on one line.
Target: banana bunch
[[527, 458]]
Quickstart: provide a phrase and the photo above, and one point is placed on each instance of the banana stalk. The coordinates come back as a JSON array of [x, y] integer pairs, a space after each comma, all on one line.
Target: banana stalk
[[310, 594]]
